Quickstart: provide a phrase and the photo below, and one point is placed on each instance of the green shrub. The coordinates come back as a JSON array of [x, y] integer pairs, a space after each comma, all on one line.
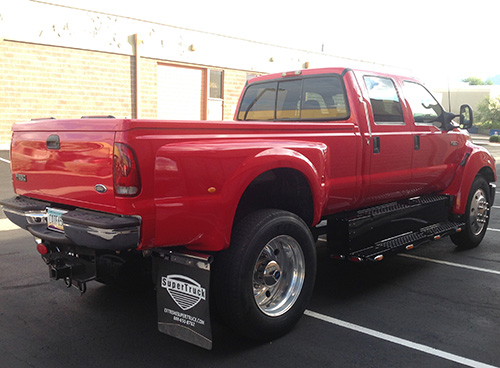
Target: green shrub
[[495, 138], [488, 113]]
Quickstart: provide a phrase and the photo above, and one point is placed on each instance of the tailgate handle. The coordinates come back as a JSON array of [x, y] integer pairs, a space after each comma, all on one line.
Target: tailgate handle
[[53, 142]]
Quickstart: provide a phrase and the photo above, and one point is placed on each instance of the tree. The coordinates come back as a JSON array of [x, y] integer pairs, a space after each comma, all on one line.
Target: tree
[[488, 113], [475, 81]]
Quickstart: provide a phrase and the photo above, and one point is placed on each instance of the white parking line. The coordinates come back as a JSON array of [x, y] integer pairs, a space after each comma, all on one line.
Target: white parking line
[[6, 224], [459, 265], [396, 340], [4, 160]]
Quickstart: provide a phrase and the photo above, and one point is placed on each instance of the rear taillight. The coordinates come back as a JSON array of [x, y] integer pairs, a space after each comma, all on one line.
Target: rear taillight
[[125, 171]]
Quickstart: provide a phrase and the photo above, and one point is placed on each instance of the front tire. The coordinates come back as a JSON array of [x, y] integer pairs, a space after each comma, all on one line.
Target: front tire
[[476, 215], [265, 279]]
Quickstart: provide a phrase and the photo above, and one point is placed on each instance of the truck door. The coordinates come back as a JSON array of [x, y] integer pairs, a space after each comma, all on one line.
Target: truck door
[[435, 152], [389, 154]]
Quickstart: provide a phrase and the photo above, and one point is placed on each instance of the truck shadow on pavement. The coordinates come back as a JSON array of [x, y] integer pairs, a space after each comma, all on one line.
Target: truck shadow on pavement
[[128, 319], [339, 282]]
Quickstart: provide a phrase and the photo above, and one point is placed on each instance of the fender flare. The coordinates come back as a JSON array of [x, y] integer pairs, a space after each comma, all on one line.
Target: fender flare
[[278, 158], [476, 160]]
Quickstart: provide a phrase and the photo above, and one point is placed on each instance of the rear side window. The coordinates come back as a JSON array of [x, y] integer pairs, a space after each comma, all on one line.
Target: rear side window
[[316, 98], [384, 100]]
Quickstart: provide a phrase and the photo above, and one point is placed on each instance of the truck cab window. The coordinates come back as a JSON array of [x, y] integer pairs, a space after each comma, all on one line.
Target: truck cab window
[[297, 100], [288, 103], [426, 110], [324, 98], [258, 102], [385, 101]]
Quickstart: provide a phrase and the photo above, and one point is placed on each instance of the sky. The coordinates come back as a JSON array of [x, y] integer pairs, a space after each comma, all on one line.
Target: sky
[[441, 41]]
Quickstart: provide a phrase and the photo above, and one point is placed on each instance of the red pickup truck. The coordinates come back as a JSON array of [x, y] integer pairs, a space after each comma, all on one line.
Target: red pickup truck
[[369, 159]]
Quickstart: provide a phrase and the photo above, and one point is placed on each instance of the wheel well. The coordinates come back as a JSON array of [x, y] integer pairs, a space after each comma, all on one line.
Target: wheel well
[[284, 188], [487, 173]]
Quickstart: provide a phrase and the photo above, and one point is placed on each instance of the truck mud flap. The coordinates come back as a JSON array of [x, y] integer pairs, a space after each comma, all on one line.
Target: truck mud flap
[[182, 291]]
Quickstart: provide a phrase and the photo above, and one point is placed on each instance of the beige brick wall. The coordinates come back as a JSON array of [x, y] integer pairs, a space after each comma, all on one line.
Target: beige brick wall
[[149, 88], [43, 81], [234, 81], [39, 81]]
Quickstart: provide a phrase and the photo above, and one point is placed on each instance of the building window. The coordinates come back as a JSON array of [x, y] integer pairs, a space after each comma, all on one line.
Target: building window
[[215, 104], [215, 84]]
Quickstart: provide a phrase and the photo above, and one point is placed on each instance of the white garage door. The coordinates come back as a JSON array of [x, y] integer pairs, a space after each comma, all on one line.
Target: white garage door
[[179, 93]]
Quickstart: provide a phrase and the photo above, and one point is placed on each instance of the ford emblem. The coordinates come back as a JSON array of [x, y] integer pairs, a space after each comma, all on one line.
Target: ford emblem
[[99, 188]]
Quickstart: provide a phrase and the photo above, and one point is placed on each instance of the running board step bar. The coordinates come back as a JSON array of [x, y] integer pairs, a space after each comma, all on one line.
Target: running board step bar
[[406, 241], [353, 232]]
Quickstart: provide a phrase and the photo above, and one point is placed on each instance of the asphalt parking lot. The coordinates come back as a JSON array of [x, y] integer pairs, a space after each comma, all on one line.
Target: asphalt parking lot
[[431, 307]]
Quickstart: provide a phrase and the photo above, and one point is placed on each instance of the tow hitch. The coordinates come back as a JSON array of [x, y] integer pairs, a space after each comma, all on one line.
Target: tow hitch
[[75, 269], [59, 269]]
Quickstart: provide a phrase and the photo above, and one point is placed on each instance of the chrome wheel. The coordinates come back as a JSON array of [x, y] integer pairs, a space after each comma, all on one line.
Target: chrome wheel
[[264, 280], [478, 214], [278, 275]]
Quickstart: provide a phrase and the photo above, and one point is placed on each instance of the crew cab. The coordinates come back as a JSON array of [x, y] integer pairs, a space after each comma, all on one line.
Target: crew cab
[[370, 160]]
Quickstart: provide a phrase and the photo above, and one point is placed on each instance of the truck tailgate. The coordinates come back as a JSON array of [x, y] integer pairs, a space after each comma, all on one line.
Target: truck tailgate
[[54, 159]]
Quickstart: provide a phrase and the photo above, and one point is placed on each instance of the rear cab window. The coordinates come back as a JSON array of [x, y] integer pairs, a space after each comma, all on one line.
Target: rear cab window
[[321, 97]]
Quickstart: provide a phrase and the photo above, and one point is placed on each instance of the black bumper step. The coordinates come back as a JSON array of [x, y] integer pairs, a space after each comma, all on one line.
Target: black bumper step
[[99, 220], [23, 204], [41, 231]]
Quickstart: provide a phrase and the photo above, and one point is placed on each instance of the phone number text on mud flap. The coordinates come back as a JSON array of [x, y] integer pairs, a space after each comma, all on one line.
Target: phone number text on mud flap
[[184, 318]]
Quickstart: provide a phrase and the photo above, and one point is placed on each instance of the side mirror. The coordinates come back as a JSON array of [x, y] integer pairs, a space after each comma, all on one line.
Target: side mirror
[[466, 117], [449, 124]]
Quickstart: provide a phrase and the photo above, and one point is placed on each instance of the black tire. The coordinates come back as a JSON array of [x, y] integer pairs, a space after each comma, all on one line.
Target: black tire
[[476, 215], [263, 282]]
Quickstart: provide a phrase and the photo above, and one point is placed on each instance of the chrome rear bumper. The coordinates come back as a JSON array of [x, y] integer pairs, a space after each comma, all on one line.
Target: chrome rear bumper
[[95, 230]]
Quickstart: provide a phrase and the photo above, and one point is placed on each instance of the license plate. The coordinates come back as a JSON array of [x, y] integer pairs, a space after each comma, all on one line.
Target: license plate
[[54, 219]]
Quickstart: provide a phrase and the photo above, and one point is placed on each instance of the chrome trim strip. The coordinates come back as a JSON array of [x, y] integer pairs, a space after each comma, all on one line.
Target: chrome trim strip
[[109, 234], [32, 217], [367, 115]]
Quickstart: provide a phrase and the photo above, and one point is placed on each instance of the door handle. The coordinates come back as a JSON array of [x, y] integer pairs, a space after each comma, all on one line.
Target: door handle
[[416, 142], [376, 144]]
